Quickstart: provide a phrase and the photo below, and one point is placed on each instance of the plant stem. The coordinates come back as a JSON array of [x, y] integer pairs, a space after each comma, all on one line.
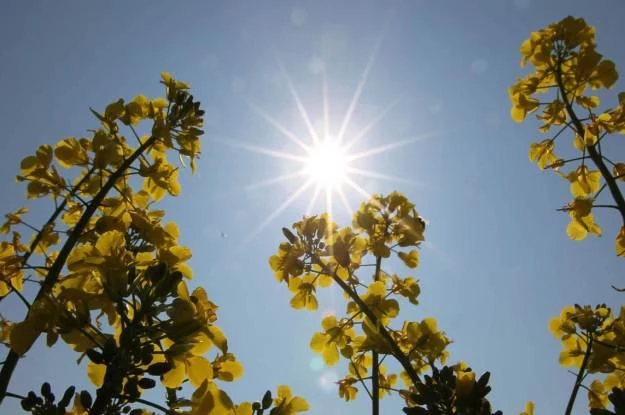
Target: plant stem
[[155, 406], [592, 150], [375, 368], [395, 350], [11, 361], [580, 377], [50, 222]]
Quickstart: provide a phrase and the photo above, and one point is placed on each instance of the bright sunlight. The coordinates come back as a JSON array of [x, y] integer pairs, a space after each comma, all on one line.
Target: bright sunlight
[[327, 164], [324, 158]]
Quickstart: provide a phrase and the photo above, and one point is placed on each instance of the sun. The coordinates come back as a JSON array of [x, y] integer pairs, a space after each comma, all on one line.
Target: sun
[[325, 156], [327, 164]]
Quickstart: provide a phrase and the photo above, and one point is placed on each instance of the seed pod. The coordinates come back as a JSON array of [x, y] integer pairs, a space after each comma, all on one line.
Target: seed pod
[[289, 235], [131, 389], [45, 389], [67, 396], [267, 400], [85, 399], [158, 369], [27, 404], [147, 383], [95, 356]]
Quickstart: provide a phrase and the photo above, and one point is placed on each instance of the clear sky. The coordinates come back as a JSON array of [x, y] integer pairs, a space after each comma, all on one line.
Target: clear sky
[[497, 264]]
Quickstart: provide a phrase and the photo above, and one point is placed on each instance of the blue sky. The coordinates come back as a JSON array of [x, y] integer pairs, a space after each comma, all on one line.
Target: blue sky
[[497, 264]]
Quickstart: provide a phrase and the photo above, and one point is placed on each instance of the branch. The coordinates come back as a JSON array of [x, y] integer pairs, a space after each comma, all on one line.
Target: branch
[[396, 351], [362, 381], [155, 406], [57, 266], [50, 222], [580, 377], [592, 150], [375, 368]]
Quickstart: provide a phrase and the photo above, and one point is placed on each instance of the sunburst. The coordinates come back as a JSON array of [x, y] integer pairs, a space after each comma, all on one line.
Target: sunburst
[[327, 164], [325, 161]]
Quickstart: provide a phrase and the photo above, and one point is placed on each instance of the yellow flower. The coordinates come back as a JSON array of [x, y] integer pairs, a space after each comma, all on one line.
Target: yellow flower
[[529, 409], [287, 404], [333, 337]]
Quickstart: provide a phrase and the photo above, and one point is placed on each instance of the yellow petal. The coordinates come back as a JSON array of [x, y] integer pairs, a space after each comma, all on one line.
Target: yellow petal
[[96, 373], [218, 338], [70, 153], [576, 231], [23, 335], [331, 355], [111, 242], [230, 370], [198, 369], [284, 392], [620, 242], [411, 259], [318, 342], [298, 404], [175, 376]]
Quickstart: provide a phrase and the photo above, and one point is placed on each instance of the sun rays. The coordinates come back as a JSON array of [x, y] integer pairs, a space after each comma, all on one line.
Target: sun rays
[[324, 157], [327, 163]]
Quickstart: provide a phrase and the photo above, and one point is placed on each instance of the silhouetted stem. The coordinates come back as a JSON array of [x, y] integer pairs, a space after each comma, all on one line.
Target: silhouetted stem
[[155, 406], [375, 367], [395, 350], [592, 150], [51, 220], [580, 377]]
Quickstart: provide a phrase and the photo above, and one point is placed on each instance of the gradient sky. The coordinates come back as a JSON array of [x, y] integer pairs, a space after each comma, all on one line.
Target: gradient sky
[[497, 264]]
